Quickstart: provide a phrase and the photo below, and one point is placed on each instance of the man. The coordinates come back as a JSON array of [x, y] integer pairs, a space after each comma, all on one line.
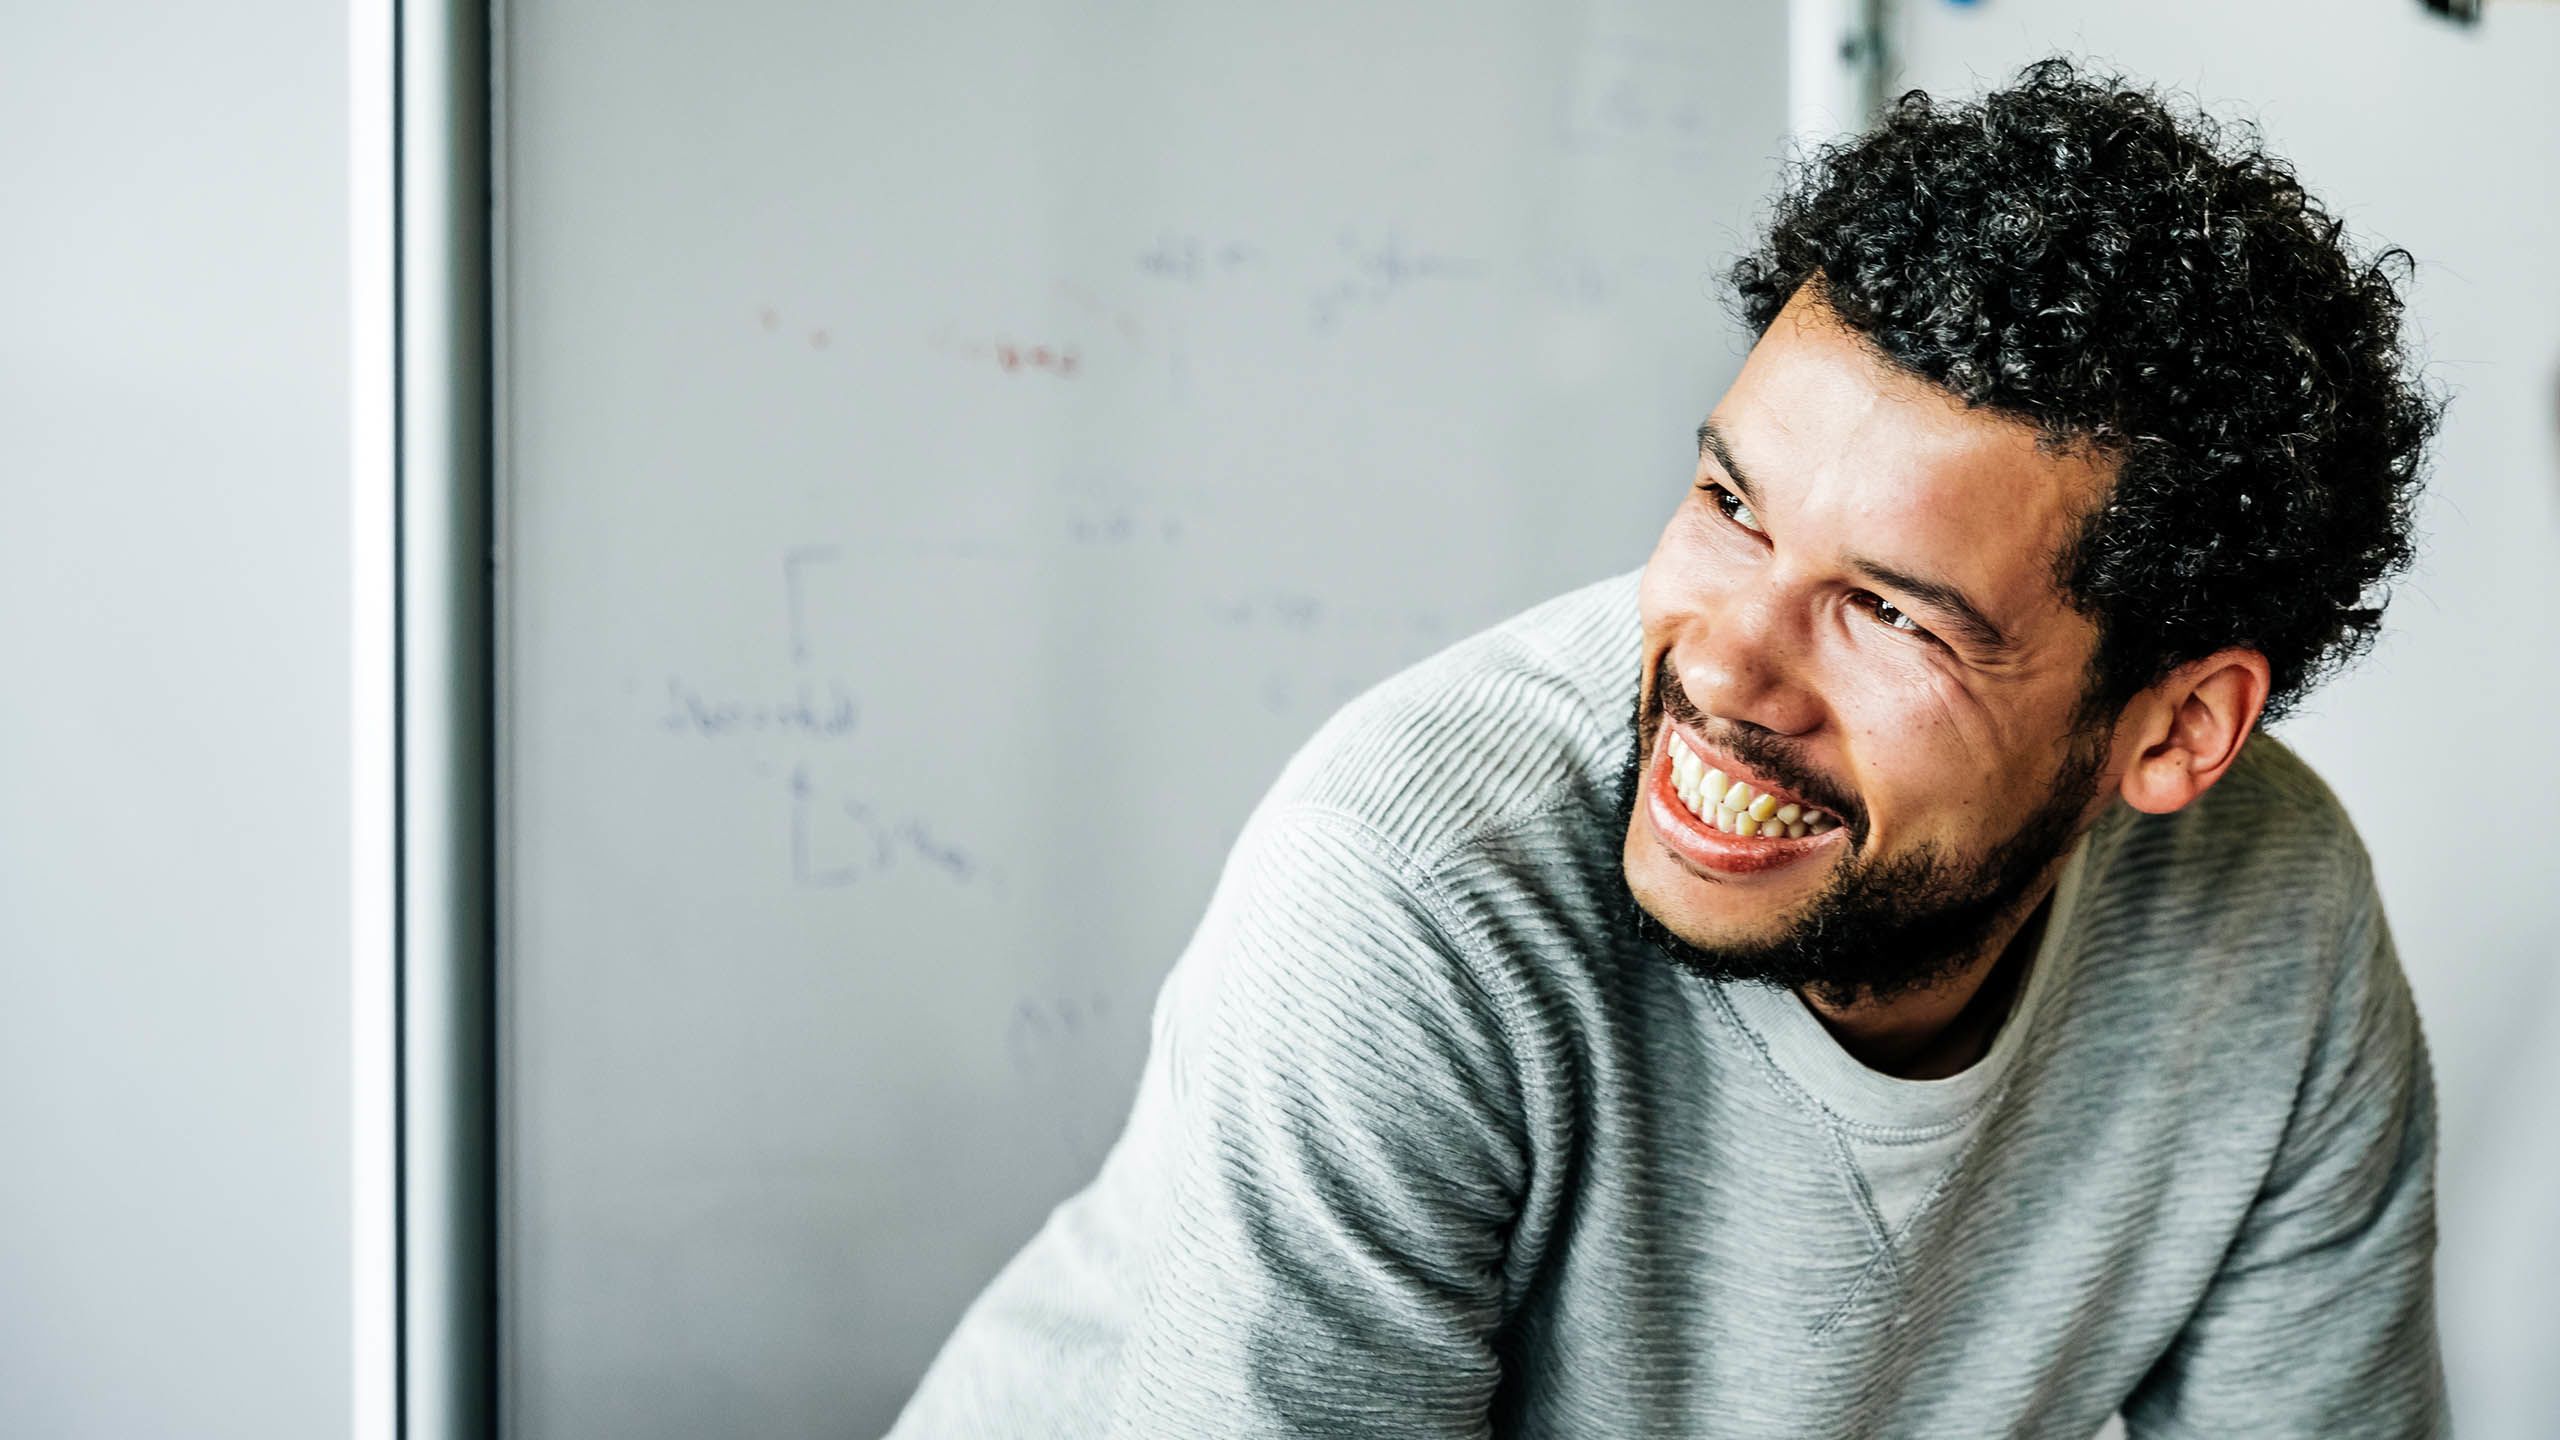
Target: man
[[1929, 1011]]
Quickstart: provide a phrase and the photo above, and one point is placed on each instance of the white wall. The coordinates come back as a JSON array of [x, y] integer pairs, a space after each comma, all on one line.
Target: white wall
[[2445, 141], [174, 747]]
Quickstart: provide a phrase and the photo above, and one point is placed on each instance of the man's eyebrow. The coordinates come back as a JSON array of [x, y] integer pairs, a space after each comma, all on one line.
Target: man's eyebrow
[[1976, 628], [1711, 441]]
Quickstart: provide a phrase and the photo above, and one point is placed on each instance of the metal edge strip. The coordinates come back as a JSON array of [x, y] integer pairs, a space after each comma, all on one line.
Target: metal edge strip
[[447, 854]]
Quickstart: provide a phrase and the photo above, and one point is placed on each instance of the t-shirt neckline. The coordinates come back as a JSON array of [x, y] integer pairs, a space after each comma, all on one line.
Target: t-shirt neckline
[[1800, 1045]]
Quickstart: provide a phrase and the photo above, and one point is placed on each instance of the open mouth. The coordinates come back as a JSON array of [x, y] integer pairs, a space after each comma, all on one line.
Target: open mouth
[[1735, 805], [1711, 813]]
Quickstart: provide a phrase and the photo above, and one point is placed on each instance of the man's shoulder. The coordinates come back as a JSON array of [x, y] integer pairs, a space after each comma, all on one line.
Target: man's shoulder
[[1521, 718], [2262, 879]]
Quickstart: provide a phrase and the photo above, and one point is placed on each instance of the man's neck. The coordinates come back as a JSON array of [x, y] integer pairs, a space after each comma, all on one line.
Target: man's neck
[[1931, 1034]]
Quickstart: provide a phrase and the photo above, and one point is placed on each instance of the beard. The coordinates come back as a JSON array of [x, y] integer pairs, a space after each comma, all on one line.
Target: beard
[[1881, 928]]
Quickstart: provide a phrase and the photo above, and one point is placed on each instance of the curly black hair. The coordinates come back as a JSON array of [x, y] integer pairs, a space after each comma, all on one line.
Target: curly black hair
[[2147, 283]]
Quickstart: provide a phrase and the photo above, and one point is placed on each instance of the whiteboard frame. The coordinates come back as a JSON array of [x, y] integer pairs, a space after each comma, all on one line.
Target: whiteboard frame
[[446, 1187], [1836, 67]]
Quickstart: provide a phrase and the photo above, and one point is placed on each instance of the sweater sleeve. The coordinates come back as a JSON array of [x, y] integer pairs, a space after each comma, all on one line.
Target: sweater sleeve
[[2321, 1319], [1302, 1230]]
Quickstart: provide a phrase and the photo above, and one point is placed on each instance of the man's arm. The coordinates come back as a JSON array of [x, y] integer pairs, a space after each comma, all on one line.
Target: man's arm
[[2321, 1321], [1305, 1223]]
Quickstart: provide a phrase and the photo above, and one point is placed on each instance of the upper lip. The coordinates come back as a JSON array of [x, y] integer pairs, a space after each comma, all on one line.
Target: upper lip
[[1736, 770]]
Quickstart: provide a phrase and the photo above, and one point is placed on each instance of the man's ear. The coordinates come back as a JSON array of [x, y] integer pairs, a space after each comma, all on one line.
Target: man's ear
[[2184, 732]]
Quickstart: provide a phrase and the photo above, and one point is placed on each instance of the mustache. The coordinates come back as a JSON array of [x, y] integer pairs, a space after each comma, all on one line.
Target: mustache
[[1775, 756]]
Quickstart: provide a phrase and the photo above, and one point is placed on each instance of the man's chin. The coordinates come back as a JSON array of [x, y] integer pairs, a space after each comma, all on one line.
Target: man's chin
[[1791, 929], [1758, 923], [1715, 913], [1748, 908]]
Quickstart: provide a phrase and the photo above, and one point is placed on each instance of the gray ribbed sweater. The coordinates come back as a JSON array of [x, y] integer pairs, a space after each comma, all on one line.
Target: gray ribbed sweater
[[1425, 1147]]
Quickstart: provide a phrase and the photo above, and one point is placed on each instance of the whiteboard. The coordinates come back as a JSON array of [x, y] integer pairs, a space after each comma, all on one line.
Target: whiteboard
[[951, 456]]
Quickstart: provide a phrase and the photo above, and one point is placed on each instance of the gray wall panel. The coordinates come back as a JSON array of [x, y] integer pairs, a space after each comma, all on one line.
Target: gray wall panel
[[174, 734]]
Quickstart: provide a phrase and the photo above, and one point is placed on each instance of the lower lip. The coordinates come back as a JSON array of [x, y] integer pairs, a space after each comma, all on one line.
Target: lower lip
[[1708, 848]]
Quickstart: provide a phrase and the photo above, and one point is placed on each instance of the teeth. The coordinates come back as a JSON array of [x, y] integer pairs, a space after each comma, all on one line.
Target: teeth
[[1733, 807]]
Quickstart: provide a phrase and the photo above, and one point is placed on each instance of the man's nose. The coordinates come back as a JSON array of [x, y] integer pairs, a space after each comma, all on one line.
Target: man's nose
[[1746, 663]]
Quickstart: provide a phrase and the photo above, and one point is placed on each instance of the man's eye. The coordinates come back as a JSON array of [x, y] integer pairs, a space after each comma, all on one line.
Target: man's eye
[[1733, 506], [1894, 616]]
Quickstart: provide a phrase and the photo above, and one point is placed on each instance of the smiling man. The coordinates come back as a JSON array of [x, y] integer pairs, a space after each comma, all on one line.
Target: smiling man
[[1864, 974]]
